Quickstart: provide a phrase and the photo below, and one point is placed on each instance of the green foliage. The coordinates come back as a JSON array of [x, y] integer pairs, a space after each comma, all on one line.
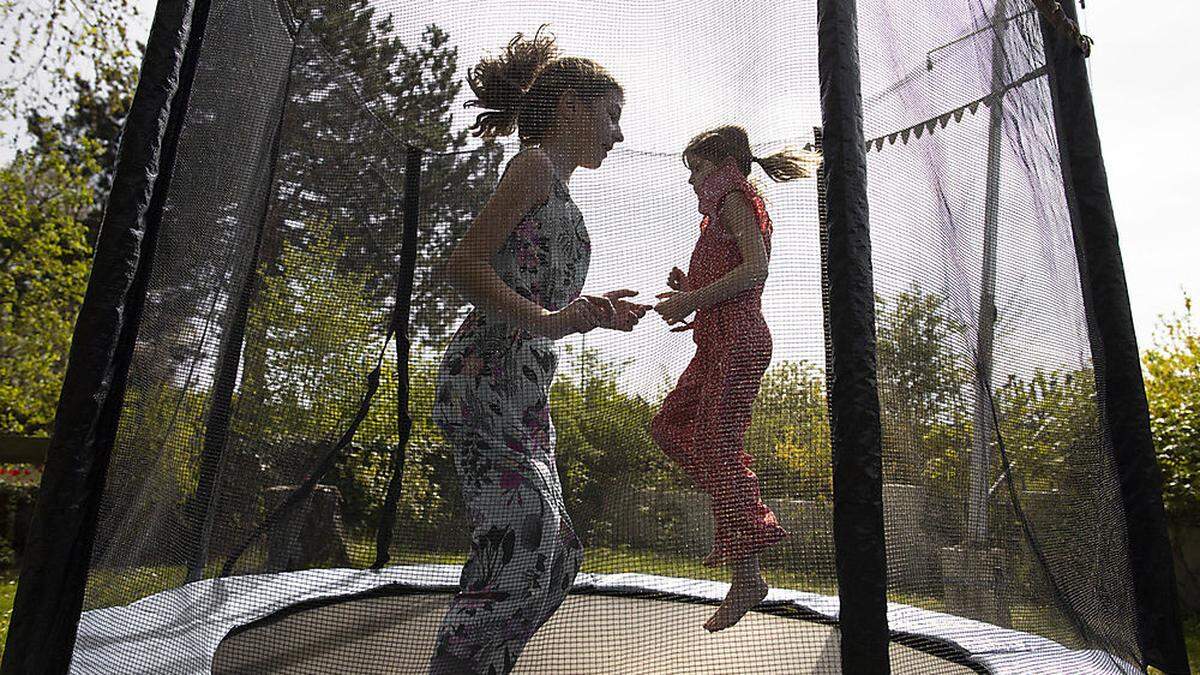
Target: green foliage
[[51, 194], [315, 331], [1048, 422], [325, 280], [789, 433], [604, 449], [44, 264], [51, 45], [90, 128], [315, 342], [431, 504], [923, 381], [8, 591], [357, 94], [1172, 372], [16, 507], [1050, 425]]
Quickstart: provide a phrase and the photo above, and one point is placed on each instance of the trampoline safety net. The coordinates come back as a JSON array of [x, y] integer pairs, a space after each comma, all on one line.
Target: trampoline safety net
[[283, 492]]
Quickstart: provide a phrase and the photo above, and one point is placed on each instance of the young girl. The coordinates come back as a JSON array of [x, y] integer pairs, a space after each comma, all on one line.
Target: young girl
[[704, 419], [522, 264]]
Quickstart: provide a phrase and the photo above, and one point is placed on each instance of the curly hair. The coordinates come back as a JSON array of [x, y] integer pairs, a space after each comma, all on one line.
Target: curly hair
[[520, 88]]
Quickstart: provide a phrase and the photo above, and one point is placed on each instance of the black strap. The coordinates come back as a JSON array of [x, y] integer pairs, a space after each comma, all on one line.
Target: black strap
[[400, 322]]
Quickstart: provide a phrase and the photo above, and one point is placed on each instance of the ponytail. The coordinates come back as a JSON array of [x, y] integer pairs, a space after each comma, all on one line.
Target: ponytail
[[789, 165], [731, 142], [500, 83]]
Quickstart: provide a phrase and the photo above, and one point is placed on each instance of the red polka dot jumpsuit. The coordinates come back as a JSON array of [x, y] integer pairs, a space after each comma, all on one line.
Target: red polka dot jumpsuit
[[703, 421]]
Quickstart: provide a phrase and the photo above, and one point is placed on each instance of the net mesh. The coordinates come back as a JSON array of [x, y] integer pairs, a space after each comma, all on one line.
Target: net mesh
[[275, 281], [990, 409]]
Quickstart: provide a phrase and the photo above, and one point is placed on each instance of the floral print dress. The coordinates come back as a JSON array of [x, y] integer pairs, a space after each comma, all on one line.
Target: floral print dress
[[493, 405]]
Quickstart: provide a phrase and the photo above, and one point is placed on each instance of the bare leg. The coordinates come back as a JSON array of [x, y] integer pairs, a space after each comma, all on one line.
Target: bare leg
[[747, 590]]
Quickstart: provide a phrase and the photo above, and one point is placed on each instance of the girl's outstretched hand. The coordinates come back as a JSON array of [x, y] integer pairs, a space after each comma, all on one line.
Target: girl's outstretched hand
[[675, 306], [618, 313], [676, 279]]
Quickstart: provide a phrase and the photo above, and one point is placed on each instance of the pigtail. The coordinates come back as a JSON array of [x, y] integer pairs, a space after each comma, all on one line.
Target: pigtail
[[790, 164]]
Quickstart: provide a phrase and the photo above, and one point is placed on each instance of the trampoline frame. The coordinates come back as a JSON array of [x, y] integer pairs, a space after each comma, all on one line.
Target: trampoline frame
[[982, 647]]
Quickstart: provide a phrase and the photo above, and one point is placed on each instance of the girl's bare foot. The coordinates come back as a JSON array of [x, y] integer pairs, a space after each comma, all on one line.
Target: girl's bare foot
[[747, 590]]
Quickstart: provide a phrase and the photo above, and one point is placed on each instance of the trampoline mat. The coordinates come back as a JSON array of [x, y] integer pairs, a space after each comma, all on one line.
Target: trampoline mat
[[589, 634]]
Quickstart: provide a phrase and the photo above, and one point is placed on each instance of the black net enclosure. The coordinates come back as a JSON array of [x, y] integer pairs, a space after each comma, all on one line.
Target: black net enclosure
[[604, 337]]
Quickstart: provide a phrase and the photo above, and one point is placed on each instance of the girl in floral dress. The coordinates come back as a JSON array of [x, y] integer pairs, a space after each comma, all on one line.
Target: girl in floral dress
[[522, 264]]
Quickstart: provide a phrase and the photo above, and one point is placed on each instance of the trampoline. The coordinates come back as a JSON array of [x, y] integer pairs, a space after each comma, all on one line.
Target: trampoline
[[245, 474], [246, 625]]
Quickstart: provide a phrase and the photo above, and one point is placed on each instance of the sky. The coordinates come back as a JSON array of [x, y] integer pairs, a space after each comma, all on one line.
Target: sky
[[1144, 85], [1146, 88]]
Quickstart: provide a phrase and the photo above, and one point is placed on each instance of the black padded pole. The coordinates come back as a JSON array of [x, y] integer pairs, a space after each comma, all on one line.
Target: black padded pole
[[858, 534], [400, 320], [1124, 413], [229, 359], [49, 598]]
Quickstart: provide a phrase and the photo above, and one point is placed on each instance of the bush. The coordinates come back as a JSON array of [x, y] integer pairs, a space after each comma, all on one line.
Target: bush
[[604, 450], [16, 512], [1172, 372]]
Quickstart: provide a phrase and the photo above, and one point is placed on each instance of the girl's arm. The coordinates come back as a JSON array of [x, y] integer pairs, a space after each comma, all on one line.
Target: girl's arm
[[739, 218], [526, 183]]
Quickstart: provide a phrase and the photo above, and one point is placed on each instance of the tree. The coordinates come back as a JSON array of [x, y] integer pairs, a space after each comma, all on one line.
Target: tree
[[357, 95], [51, 46], [1172, 372], [316, 329], [923, 379], [604, 450], [44, 263], [93, 118], [324, 281], [1051, 430], [52, 192], [789, 433]]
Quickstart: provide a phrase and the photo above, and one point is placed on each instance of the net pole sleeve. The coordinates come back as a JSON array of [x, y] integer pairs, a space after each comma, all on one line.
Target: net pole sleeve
[[858, 531], [216, 432], [823, 238], [50, 592], [1124, 412]]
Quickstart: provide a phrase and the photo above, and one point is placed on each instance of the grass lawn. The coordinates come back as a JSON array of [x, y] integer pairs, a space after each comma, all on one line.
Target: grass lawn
[[1191, 633], [8, 589], [599, 560]]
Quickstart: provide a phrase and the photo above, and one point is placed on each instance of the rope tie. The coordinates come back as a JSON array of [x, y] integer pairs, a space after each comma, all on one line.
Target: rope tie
[[1054, 13]]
